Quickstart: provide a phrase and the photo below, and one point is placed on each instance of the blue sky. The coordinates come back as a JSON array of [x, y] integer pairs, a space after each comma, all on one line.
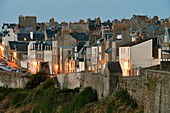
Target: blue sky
[[73, 10]]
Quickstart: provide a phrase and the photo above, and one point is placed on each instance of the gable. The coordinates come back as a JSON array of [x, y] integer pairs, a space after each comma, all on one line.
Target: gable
[[66, 40], [143, 50]]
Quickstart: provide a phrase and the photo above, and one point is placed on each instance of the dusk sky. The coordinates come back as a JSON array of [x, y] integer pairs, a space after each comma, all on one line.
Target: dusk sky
[[73, 10]]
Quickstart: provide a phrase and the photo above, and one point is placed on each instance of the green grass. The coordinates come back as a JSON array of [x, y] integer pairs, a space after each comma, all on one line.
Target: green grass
[[18, 96], [88, 95]]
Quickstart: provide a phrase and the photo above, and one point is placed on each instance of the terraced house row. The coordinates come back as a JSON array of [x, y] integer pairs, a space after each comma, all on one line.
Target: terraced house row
[[91, 46]]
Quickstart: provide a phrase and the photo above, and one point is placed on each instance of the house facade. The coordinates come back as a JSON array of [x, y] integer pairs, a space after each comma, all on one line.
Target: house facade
[[134, 56], [11, 36], [39, 53]]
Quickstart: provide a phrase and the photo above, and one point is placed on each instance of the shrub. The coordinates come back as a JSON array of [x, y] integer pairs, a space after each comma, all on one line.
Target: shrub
[[125, 98], [47, 83], [76, 90], [4, 92], [111, 107], [36, 79], [88, 95]]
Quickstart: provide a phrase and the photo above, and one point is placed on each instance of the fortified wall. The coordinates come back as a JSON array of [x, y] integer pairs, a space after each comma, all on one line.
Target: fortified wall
[[157, 92], [135, 85], [99, 82], [12, 80], [82, 80], [151, 90]]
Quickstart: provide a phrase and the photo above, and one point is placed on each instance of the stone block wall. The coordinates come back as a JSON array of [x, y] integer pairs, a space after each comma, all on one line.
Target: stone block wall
[[70, 81], [12, 81], [135, 85], [157, 92], [82, 80], [150, 90], [96, 81]]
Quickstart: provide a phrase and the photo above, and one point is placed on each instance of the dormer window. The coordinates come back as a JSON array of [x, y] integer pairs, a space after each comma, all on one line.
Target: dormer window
[[75, 49]]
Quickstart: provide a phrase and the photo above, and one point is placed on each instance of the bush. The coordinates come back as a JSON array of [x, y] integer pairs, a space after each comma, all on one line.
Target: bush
[[88, 95], [122, 101], [36, 79], [47, 83], [4, 92], [111, 107], [76, 90], [125, 98]]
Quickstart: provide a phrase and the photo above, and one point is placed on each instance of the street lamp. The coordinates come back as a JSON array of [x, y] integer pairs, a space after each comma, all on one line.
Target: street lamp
[[67, 67], [56, 68], [2, 48], [34, 67], [15, 55]]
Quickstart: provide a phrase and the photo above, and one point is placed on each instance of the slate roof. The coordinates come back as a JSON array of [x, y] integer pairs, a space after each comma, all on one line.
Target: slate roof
[[135, 43], [12, 44], [22, 46], [13, 25], [59, 28], [26, 29], [50, 33], [36, 37], [109, 50], [159, 32], [18, 46], [114, 67], [79, 36], [80, 45]]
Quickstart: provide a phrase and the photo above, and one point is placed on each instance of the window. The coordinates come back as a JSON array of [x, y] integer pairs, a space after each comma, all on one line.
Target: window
[[123, 50], [100, 49], [100, 57], [165, 39], [128, 52], [75, 49], [69, 52]]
